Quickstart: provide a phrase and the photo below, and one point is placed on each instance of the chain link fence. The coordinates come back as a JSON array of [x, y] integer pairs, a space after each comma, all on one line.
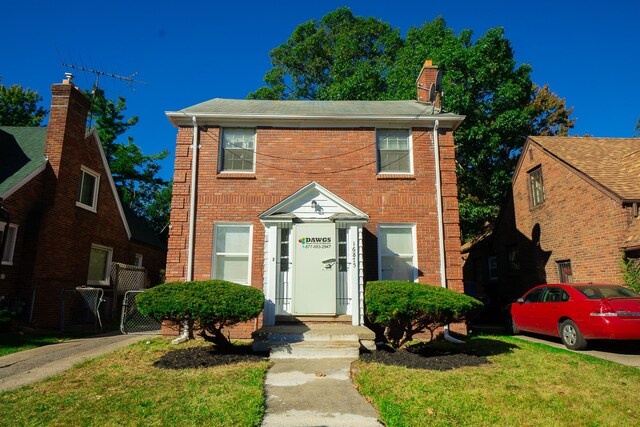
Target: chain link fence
[[132, 321]]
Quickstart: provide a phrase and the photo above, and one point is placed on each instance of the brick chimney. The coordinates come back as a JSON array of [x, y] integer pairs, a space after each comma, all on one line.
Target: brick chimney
[[429, 75], [67, 121]]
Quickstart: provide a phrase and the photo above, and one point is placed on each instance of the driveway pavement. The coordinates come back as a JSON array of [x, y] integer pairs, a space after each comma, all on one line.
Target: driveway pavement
[[622, 352], [29, 366]]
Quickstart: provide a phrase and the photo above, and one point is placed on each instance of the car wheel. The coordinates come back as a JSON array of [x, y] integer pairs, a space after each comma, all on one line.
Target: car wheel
[[571, 336]]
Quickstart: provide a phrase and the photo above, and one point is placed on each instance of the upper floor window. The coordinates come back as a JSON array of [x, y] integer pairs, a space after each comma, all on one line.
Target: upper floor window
[[238, 150], [394, 150], [88, 189], [536, 187], [10, 245]]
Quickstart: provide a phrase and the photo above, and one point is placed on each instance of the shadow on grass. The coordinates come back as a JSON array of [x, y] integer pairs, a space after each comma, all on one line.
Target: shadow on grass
[[207, 356], [441, 355]]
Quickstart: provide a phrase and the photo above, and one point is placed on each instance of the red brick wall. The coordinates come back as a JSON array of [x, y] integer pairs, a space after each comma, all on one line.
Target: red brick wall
[[577, 221], [241, 198]]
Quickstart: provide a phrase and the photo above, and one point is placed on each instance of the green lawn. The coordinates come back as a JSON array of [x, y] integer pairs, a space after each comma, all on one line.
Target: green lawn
[[12, 343], [526, 384], [124, 388]]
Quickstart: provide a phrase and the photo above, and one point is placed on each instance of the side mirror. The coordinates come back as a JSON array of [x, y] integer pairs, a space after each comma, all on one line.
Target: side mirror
[[520, 300]]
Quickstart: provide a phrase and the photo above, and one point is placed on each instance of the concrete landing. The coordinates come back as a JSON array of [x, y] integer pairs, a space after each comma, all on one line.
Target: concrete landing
[[315, 392]]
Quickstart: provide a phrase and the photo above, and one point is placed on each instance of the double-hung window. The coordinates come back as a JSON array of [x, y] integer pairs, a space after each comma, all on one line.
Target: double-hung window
[[232, 255], [238, 150], [394, 151], [88, 189], [397, 252], [100, 265], [536, 186], [10, 245]]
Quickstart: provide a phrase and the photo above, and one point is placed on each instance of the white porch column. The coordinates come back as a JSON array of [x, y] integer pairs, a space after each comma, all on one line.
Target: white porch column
[[270, 274]]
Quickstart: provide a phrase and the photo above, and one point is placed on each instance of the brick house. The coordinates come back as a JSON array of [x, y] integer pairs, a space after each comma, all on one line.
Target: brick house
[[309, 200], [572, 211], [66, 222]]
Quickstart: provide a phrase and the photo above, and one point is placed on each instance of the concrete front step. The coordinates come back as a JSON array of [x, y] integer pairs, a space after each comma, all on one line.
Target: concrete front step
[[313, 340], [316, 350]]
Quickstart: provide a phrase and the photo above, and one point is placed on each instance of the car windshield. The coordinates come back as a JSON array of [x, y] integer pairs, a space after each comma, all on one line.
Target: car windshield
[[608, 291]]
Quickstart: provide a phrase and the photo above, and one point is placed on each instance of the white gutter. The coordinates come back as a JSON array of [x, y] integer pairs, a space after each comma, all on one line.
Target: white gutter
[[192, 221], [443, 263]]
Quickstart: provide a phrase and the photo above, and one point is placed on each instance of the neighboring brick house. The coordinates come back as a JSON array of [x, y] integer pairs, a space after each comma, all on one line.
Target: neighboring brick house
[[67, 224], [572, 212], [309, 200]]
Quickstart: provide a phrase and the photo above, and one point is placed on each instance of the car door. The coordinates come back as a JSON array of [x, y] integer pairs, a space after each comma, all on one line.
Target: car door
[[550, 310], [525, 313]]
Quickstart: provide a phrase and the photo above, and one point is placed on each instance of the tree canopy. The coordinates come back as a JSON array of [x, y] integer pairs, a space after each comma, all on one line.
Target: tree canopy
[[134, 173], [19, 107], [343, 56]]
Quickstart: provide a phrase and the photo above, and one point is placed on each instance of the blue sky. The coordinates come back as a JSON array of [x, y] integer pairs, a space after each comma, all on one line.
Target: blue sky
[[191, 51]]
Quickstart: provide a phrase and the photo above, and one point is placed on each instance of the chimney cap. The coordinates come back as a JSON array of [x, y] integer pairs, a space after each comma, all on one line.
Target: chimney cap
[[69, 77], [429, 63]]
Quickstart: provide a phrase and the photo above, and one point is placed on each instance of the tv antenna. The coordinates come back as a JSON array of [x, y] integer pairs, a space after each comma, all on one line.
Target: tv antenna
[[129, 79]]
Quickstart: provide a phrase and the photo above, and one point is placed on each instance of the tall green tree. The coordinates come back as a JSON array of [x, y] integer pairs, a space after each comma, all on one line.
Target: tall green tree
[[19, 107], [481, 81], [340, 56], [134, 173]]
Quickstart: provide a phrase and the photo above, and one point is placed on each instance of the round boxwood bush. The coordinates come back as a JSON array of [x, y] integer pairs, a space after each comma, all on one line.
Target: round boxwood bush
[[405, 308], [208, 306]]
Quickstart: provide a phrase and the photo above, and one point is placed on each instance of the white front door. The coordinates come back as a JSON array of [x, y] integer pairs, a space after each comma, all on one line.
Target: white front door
[[314, 269]]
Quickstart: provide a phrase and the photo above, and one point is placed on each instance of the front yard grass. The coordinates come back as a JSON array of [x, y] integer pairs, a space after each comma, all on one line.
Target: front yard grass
[[526, 384], [124, 388]]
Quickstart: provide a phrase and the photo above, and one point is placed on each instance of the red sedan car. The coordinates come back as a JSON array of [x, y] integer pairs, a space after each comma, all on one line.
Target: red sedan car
[[578, 312]]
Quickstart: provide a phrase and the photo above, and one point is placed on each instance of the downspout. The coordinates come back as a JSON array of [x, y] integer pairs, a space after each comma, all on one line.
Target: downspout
[[192, 221], [443, 263]]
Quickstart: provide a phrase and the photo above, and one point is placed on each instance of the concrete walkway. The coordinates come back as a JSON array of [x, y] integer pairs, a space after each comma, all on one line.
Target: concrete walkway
[[315, 392], [29, 366]]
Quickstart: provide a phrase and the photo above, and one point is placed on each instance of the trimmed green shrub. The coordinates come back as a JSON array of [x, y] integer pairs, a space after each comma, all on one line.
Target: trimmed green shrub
[[208, 306], [404, 308]]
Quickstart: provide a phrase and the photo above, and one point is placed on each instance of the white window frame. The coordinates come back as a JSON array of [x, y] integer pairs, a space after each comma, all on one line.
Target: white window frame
[[214, 261], [9, 250], [107, 280], [138, 260], [221, 151], [96, 187], [410, 150], [414, 245]]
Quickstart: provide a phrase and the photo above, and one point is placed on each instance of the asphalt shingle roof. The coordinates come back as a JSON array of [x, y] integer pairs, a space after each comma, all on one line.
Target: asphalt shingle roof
[[614, 163], [21, 153], [311, 108]]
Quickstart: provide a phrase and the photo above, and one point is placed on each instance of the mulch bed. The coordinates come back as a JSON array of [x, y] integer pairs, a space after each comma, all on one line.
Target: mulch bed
[[416, 357], [205, 357], [425, 358]]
